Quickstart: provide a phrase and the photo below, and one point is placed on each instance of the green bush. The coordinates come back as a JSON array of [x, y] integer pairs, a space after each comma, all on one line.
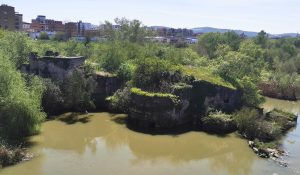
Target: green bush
[[20, 104], [52, 100], [283, 119], [16, 46], [77, 90], [251, 94], [44, 36], [113, 58], [267, 131], [59, 36], [218, 122], [246, 121], [125, 71], [120, 101], [151, 73]]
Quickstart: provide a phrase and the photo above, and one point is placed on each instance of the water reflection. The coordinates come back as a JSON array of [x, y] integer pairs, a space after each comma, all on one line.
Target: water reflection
[[222, 153], [290, 106], [104, 145]]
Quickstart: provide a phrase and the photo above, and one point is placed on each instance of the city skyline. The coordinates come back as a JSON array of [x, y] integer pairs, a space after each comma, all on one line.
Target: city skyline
[[272, 16]]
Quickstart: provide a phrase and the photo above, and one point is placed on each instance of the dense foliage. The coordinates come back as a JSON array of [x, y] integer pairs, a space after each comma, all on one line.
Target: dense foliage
[[20, 101], [225, 59]]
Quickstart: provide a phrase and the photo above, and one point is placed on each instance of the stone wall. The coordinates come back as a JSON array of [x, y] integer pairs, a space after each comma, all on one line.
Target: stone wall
[[53, 67]]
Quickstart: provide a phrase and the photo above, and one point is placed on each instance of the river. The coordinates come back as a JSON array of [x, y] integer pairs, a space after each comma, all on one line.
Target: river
[[100, 143]]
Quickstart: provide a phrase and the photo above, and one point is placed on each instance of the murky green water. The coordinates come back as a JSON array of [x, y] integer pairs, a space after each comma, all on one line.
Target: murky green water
[[101, 144]]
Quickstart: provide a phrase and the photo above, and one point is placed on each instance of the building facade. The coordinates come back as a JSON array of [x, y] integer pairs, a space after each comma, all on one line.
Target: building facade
[[42, 24], [9, 19]]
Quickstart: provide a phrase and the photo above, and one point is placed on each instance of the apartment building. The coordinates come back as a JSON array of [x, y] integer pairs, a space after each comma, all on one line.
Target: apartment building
[[9, 19]]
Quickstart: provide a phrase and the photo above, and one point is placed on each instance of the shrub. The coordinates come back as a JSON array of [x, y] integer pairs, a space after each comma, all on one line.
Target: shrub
[[267, 131], [16, 46], [252, 125], [120, 100], [218, 122], [246, 121], [77, 90], [44, 36], [150, 73], [52, 100], [113, 58], [251, 94], [284, 119], [59, 36], [20, 104], [125, 71]]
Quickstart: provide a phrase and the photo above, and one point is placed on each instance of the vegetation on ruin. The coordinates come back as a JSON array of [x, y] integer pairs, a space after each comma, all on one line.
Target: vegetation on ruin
[[153, 70]]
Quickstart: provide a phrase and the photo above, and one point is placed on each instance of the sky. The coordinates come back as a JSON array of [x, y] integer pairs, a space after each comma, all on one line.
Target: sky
[[273, 16]]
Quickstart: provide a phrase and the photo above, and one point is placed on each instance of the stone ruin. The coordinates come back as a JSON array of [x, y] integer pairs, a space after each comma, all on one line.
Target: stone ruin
[[52, 65]]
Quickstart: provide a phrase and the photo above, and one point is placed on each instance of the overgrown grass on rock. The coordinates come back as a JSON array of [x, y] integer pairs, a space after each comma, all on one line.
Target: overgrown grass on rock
[[219, 123], [140, 92], [206, 75]]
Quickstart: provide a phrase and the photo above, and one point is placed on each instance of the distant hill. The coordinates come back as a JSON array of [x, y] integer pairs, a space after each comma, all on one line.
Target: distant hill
[[211, 29], [199, 30], [292, 35]]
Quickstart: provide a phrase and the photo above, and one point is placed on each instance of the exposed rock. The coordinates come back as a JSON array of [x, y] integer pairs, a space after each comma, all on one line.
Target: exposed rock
[[207, 95], [54, 67], [107, 85], [195, 99], [159, 111]]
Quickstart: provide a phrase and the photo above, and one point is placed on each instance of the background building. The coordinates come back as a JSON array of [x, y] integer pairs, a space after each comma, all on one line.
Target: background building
[[9, 19]]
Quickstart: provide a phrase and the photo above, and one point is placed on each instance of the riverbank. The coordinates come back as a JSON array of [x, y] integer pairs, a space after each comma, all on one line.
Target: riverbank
[[10, 155]]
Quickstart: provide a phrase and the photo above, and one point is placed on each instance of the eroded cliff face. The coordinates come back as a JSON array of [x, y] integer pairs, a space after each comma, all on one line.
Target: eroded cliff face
[[162, 112], [159, 112], [54, 67], [107, 85]]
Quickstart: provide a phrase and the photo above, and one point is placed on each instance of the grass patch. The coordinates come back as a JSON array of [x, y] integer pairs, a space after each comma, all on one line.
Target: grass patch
[[181, 86], [281, 114], [265, 145], [140, 92], [218, 122], [206, 75]]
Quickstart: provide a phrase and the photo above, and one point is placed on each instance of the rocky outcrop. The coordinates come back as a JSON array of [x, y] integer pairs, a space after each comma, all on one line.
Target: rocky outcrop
[[158, 111], [53, 66], [155, 110], [107, 85], [207, 95]]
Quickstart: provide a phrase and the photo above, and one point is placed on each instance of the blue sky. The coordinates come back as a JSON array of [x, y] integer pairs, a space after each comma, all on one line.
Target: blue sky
[[274, 16]]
